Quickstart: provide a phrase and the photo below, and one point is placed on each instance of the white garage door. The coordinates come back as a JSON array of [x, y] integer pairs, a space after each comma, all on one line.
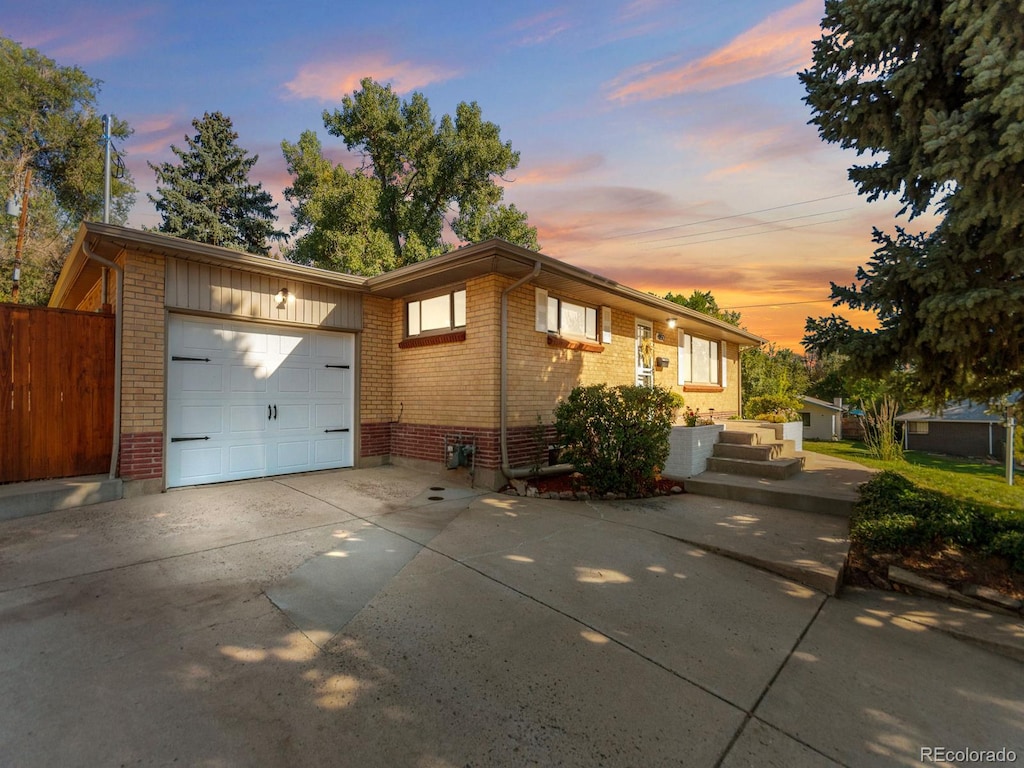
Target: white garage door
[[247, 400]]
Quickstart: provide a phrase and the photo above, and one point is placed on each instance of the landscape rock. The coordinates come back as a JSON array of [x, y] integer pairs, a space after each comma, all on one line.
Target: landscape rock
[[990, 595]]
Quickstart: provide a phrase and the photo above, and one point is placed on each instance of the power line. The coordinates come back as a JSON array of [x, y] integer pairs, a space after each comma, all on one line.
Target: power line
[[725, 218], [778, 304], [749, 234], [749, 226]]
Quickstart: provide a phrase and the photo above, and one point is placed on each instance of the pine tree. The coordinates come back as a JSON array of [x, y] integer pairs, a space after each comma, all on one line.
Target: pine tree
[[932, 91], [207, 196]]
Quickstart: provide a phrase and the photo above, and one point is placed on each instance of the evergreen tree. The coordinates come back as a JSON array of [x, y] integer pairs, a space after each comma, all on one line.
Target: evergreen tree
[[207, 196], [933, 92], [419, 178], [49, 127]]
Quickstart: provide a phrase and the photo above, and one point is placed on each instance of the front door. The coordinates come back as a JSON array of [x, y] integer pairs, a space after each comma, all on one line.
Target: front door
[[644, 354]]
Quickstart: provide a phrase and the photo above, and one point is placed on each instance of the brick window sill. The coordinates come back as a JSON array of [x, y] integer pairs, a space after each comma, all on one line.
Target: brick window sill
[[432, 341], [702, 388], [582, 346]]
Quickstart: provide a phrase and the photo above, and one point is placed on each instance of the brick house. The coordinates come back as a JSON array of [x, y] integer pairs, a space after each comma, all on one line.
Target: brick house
[[235, 366]]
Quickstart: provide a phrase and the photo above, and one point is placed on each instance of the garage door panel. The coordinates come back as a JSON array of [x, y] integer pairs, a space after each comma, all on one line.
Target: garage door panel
[[334, 380], [331, 415], [293, 417], [289, 379], [264, 398], [189, 377], [247, 459], [200, 465], [202, 336], [247, 419], [249, 342], [245, 378], [294, 455], [335, 346], [293, 345], [330, 451], [201, 419]]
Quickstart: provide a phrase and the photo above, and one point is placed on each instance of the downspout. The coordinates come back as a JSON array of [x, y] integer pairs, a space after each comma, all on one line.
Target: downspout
[[503, 405], [118, 331]]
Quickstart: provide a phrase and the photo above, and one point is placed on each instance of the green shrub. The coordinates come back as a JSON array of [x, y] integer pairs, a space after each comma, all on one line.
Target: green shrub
[[1009, 544], [893, 514], [617, 437], [776, 408]]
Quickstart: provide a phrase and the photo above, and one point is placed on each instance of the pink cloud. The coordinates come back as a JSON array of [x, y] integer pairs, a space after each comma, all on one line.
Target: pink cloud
[[331, 80], [779, 45], [84, 37], [556, 172], [538, 29]]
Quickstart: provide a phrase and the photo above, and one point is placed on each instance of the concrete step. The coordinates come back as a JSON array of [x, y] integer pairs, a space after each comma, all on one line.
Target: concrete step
[[787, 494], [735, 437], [747, 435], [39, 496], [774, 469], [765, 452]]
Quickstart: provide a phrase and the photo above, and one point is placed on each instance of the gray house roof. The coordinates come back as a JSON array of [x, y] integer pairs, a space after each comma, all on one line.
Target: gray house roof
[[808, 400], [963, 411]]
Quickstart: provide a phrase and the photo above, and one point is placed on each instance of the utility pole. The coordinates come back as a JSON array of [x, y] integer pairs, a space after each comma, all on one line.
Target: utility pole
[[1011, 422], [22, 225], [106, 169]]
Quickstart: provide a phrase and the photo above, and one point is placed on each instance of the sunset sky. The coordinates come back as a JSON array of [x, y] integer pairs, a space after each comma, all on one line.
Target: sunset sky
[[664, 143]]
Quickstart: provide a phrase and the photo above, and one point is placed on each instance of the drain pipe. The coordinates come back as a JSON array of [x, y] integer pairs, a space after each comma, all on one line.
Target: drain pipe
[[118, 331], [522, 472]]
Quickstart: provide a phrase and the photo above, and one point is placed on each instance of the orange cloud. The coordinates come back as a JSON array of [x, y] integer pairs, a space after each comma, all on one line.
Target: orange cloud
[[557, 172], [331, 80], [779, 45]]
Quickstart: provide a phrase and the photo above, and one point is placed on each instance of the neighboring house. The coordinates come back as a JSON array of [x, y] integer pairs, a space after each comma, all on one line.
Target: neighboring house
[[236, 366], [822, 420], [963, 428]]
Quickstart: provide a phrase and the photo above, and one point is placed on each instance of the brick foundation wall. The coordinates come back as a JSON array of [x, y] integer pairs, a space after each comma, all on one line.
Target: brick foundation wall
[[141, 456], [374, 439], [426, 442]]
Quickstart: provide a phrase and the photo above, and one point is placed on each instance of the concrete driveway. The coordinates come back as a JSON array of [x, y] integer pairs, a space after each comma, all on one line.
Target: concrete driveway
[[366, 618]]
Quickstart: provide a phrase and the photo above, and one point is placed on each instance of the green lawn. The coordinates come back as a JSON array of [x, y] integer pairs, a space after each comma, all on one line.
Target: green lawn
[[968, 479]]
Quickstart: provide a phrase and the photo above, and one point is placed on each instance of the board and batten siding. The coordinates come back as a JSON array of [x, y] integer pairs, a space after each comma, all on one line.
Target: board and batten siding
[[224, 291]]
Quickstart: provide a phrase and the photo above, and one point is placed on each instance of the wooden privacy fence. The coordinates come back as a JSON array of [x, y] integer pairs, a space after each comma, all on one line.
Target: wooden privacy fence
[[56, 392]]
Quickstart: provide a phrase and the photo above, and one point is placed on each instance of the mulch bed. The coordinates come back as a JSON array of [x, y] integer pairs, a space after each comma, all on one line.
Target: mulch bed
[[949, 565], [573, 482]]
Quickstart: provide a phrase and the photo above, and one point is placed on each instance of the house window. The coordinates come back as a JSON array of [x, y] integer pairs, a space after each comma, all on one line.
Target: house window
[[806, 417], [918, 427], [436, 314], [700, 360], [568, 319]]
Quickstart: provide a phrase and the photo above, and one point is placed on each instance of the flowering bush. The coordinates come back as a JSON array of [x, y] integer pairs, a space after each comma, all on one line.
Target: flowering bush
[[693, 418]]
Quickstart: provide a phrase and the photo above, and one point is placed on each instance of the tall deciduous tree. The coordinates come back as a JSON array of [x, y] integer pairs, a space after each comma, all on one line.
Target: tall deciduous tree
[[418, 176], [770, 371], [933, 92], [49, 126], [207, 196], [705, 302]]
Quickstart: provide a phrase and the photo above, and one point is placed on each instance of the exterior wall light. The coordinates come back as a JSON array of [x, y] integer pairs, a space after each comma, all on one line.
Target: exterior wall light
[[283, 298], [671, 322]]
